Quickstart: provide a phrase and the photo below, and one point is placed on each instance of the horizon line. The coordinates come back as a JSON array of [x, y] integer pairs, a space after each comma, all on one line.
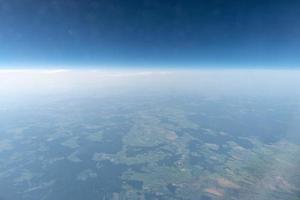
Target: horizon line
[[153, 68]]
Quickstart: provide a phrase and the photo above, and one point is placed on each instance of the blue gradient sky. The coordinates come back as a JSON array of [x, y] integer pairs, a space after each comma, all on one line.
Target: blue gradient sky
[[150, 33]]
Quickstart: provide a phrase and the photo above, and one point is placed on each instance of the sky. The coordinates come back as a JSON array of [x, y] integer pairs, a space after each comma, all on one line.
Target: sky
[[149, 34]]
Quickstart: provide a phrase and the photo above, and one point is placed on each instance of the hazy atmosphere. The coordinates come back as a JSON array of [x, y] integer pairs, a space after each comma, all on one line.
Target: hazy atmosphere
[[202, 81], [149, 100]]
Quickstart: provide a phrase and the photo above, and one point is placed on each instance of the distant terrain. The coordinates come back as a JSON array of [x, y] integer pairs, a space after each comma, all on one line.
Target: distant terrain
[[149, 99], [152, 145]]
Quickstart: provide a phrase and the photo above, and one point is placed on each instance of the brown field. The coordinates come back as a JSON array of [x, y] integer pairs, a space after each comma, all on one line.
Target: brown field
[[225, 183], [215, 192]]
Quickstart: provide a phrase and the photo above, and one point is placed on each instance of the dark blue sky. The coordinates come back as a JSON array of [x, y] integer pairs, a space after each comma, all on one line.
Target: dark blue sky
[[150, 33]]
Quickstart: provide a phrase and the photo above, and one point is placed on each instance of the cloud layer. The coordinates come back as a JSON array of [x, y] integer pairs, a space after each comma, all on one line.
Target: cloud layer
[[218, 82]]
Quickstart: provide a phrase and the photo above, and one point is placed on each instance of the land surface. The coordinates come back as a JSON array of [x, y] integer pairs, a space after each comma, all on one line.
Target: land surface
[[150, 147]]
